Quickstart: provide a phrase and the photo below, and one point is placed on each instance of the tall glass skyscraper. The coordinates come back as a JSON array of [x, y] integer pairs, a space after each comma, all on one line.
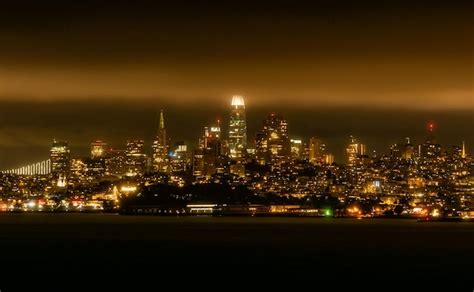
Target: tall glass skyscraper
[[272, 142], [354, 151], [136, 158], [98, 149], [237, 128], [60, 158], [161, 148]]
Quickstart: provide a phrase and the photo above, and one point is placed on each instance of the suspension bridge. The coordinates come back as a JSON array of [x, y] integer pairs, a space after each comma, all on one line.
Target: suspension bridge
[[38, 168]]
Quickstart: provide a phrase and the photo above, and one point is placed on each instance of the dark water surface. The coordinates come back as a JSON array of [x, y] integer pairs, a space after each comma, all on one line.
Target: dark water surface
[[147, 251]]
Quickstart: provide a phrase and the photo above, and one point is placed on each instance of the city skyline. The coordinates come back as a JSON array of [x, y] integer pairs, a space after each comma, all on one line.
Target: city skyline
[[279, 174], [333, 126], [162, 147]]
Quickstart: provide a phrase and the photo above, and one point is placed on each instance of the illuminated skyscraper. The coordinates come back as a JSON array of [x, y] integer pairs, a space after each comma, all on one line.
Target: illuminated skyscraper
[[237, 128], [78, 169], [135, 147], [329, 158], [296, 148], [399, 151], [430, 149], [60, 156], [354, 151], [209, 158], [98, 149], [161, 148], [96, 165], [272, 142], [463, 153], [211, 137], [180, 158], [136, 158], [408, 150], [316, 151], [116, 163]]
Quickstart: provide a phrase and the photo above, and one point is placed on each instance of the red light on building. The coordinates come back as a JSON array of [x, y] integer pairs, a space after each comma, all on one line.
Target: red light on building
[[431, 126]]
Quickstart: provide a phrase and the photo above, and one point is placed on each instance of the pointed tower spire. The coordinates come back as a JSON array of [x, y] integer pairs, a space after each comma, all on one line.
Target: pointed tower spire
[[160, 147], [162, 120], [463, 153]]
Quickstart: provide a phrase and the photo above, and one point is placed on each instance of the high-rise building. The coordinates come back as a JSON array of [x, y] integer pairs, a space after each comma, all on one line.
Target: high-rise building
[[136, 158], [135, 147], [211, 137], [98, 149], [316, 150], [463, 151], [405, 151], [96, 165], [210, 152], [161, 148], [237, 128], [455, 152], [116, 163], [328, 158], [180, 158], [272, 142], [78, 171], [396, 151], [198, 162], [60, 156], [354, 151], [296, 148], [408, 150], [317, 153], [430, 149]]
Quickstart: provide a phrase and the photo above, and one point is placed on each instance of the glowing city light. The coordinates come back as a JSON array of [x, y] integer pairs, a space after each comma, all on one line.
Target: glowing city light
[[128, 189], [286, 166], [431, 126], [238, 101], [328, 212]]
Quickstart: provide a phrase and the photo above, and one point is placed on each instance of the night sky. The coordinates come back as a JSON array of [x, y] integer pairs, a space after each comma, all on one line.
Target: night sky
[[103, 69]]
